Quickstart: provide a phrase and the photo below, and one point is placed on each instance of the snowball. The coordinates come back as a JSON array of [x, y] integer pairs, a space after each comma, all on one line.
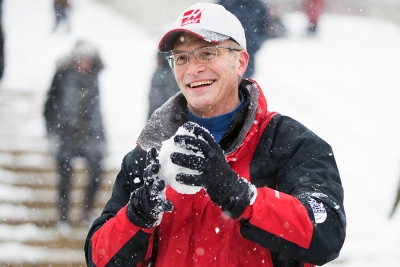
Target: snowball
[[169, 170]]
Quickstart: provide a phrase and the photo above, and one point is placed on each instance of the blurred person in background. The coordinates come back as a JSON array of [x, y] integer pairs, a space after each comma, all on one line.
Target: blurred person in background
[[275, 28], [74, 124], [313, 10], [254, 16], [62, 9], [1, 41], [396, 201], [163, 84]]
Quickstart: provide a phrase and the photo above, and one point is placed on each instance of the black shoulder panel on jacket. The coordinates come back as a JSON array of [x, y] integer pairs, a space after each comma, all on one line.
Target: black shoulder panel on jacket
[[292, 159]]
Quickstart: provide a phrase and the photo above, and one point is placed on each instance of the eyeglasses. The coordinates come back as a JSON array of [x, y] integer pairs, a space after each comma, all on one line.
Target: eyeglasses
[[203, 55]]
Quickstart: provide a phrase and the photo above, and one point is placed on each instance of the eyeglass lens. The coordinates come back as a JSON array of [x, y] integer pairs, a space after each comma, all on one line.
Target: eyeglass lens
[[203, 55]]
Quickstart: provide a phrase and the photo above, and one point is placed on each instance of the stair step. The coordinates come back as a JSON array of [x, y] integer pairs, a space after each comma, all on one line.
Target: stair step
[[43, 162], [21, 214], [50, 179], [18, 254], [34, 197], [50, 236]]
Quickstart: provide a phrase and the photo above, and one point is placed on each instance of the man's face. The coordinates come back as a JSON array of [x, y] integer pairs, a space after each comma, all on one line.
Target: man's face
[[84, 65], [211, 88]]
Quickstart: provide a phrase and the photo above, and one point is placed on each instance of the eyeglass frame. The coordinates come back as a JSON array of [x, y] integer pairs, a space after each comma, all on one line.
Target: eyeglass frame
[[171, 59]]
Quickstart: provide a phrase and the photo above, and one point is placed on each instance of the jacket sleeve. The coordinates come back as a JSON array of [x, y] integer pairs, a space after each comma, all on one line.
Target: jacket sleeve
[[298, 212], [113, 240], [51, 109]]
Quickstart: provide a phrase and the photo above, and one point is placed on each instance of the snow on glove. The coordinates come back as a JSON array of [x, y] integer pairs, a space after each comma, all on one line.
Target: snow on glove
[[148, 203], [222, 184]]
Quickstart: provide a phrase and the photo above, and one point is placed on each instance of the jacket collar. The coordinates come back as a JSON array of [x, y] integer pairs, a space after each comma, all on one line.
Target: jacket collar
[[166, 120]]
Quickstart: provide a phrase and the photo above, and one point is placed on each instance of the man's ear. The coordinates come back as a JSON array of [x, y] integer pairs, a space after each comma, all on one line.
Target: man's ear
[[243, 57]]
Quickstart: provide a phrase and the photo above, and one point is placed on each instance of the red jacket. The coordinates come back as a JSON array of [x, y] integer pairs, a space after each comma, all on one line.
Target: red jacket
[[314, 9], [297, 217]]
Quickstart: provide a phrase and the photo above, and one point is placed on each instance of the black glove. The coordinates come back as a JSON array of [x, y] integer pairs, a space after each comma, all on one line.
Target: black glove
[[148, 202], [222, 184]]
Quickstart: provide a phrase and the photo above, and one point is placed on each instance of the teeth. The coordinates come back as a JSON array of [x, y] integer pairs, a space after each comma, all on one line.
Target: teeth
[[200, 83]]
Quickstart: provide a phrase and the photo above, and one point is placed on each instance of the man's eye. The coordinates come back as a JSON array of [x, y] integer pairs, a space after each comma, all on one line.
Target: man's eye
[[180, 59], [207, 55]]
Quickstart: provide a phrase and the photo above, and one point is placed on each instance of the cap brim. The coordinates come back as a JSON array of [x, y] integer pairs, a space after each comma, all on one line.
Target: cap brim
[[168, 40]]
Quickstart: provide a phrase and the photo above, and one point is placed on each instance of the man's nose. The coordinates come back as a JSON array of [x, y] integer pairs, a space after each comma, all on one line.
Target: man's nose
[[194, 66]]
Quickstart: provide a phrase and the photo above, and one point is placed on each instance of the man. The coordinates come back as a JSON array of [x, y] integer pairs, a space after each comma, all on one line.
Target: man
[[270, 189], [74, 124]]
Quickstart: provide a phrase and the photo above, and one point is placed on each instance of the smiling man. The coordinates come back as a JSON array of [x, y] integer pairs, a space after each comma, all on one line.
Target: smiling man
[[270, 193], [210, 89]]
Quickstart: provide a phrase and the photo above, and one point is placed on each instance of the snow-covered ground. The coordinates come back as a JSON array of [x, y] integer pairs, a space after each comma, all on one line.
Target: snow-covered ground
[[344, 85]]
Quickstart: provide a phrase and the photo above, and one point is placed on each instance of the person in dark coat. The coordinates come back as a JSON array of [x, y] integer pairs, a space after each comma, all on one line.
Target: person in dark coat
[[163, 84], [1, 41], [74, 122], [62, 9], [253, 15], [396, 202]]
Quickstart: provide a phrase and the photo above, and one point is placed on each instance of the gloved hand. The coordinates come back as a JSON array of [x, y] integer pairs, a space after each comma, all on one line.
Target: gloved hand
[[148, 203], [222, 184]]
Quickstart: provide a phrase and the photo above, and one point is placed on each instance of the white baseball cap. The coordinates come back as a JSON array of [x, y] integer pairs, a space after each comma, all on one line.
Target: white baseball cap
[[210, 22]]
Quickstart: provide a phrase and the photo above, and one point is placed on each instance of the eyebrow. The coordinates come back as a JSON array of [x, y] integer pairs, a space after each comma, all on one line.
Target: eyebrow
[[200, 47]]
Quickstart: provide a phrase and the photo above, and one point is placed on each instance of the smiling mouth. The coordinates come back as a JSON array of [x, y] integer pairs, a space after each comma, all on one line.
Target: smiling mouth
[[200, 84]]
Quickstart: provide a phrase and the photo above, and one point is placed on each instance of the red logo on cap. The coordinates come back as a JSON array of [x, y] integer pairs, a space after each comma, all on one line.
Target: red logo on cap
[[191, 16]]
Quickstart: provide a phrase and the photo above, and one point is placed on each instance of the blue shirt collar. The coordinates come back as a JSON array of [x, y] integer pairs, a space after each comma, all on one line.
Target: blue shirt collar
[[218, 125]]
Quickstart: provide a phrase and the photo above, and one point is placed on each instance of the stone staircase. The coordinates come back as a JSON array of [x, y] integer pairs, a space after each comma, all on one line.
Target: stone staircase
[[29, 235]]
